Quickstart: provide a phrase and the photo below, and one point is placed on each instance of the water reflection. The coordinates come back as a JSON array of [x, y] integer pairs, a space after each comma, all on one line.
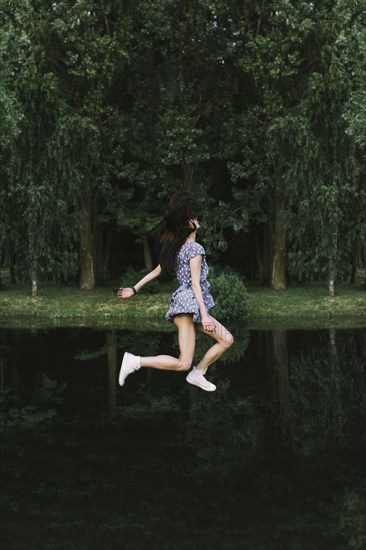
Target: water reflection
[[112, 372], [273, 459]]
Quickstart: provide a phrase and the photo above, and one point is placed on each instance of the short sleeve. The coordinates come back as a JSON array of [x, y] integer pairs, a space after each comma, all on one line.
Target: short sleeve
[[195, 249]]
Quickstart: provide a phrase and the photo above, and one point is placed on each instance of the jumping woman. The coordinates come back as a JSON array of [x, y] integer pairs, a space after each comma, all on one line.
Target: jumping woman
[[190, 303]]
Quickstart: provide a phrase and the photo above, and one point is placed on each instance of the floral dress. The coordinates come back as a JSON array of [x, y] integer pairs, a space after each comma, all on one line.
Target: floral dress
[[183, 300]]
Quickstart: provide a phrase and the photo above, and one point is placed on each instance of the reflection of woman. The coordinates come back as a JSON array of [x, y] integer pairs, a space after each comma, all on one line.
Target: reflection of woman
[[180, 253]]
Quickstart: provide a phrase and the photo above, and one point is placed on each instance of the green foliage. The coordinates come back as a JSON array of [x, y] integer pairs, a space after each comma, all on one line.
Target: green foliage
[[49, 392], [351, 516], [231, 296], [108, 107], [29, 417], [282, 146], [10, 117], [355, 114], [150, 409], [221, 425], [44, 400]]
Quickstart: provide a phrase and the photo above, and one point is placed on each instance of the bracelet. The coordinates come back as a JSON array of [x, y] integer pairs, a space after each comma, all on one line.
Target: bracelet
[[134, 290]]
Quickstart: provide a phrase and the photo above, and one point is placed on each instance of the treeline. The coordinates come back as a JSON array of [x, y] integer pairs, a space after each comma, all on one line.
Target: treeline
[[107, 106]]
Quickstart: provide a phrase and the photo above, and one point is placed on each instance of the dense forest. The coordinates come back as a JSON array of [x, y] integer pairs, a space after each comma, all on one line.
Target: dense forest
[[108, 106]]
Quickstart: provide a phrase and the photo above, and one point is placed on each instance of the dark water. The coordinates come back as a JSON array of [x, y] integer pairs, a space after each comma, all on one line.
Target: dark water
[[274, 459]]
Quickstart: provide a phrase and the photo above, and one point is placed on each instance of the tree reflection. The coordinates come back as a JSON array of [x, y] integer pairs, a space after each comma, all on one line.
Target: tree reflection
[[327, 398], [252, 451], [112, 372], [281, 369]]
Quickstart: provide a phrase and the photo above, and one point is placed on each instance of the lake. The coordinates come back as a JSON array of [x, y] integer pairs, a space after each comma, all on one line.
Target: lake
[[274, 459]]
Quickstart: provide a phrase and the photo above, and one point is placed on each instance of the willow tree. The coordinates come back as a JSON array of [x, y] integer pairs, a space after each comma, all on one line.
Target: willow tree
[[10, 116], [294, 162], [273, 44], [34, 189], [329, 189], [64, 57], [88, 55], [355, 117]]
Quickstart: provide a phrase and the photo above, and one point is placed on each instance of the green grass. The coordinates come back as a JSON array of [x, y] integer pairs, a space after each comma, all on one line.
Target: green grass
[[307, 307], [68, 306], [298, 307]]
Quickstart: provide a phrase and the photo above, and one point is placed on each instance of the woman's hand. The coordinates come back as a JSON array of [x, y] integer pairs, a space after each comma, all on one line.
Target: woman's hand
[[125, 293], [208, 324], [128, 292]]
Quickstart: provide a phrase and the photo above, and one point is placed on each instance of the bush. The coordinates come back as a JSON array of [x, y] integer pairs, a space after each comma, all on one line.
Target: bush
[[230, 294]]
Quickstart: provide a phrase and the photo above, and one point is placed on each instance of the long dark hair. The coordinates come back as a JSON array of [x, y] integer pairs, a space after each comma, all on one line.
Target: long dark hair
[[174, 230]]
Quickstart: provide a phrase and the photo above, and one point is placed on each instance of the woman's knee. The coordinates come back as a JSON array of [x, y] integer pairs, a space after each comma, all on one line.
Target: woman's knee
[[184, 364], [227, 339]]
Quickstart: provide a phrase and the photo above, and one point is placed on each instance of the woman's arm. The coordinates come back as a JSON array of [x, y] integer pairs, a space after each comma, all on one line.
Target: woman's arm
[[195, 266], [128, 292]]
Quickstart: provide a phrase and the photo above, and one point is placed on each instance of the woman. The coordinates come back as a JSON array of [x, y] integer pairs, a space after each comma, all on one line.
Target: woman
[[190, 303]]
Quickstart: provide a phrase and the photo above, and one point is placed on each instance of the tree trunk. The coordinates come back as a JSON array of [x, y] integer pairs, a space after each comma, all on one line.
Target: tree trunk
[[34, 287], [331, 286], [353, 272], [33, 229], [33, 271], [278, 280], [87, 276], [281, 367], [338, 413], [333, 253], [11, 269], [107, 254], [259, 258], [8, 260], [267, 252], [147, 253]]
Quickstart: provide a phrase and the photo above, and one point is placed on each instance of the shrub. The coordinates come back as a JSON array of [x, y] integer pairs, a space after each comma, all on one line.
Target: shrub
[[230, 294]]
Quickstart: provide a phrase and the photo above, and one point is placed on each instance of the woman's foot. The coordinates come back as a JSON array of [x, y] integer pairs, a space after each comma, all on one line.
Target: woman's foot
[[130, 364], [196, 378]]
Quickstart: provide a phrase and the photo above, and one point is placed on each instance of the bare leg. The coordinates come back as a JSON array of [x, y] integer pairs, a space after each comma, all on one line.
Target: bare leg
[[187, 344], [224, 340]]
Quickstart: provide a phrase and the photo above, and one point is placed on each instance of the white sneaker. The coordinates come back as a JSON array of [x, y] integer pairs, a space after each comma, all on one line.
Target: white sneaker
[[196, 377], [130, 363]]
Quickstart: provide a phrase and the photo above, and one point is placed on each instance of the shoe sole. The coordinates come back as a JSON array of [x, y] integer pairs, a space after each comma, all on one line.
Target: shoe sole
[[195, 383], [122, 375]]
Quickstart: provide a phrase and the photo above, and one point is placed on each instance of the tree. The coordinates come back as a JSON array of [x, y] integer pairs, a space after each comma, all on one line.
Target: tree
[[177, 77], [89, 56], [123, 102], [326, 200], [293, 149], [66, 58], [34, 192], [355, 117], [272, 42], [10, 116]]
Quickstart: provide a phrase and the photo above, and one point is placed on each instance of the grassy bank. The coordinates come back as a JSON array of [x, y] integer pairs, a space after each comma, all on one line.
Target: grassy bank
[[298, 307], [308, 307]]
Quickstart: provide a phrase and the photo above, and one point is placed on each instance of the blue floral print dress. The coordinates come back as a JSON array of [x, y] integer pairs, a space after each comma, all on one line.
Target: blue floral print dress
[[183, 300]]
